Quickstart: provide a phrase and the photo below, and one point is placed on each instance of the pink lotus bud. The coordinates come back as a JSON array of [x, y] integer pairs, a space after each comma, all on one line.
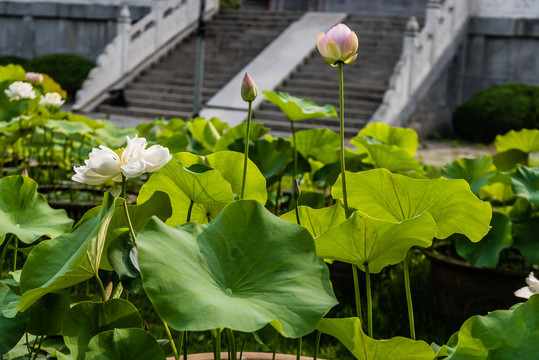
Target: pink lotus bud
[[34, 78], [339, 45], [249, 91]]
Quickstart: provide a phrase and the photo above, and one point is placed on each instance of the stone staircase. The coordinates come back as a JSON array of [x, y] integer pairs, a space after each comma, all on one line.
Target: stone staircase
[[233, 39], [365, 80]]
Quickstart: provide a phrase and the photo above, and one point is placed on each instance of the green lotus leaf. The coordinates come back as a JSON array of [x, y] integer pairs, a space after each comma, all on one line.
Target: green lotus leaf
[[384, 195], [256, 131], [487, 251], [348, 332], [271, 157], [363, 240], [119, 258], [297, 109], [12, 328], [525, 140], [124, 344], [49, 85], [68, 128], [387, 156], [67, 259], [498, 188], [475, 171], [508, 160], [242, 271], [185, 184], [525, 238], [112, 135], [22, 210], [47, 314], [526, 183], [404, 138], [317, 221], [87, 319], [320, 144], [204, 132], [12, 72], [175, 143], [500, 335]]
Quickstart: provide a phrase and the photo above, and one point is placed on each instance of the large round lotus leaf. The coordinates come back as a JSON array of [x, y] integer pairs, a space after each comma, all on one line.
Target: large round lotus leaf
[[526, 183], [475, 171], [384, 195], [525, 140], [68, 259], [112, 135], [47, 314], [204, 132], [387, 156], [271, 157], [297, 109], [320, 144], [68, 128], [525, 238], [498, 188], [244, 270], [184, 183], [124, 344], [500, 335], [25, 213], [87, 319], [348, 332], [487, 251], [508, 160], [362, 240], [256, 131], [12, 72], [404, 138], [317, 221], [11, 328]]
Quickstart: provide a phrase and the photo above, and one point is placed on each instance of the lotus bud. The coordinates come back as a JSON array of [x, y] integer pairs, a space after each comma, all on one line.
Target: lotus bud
[[34, 78], [338, 45], [296, 190], [249, 91]]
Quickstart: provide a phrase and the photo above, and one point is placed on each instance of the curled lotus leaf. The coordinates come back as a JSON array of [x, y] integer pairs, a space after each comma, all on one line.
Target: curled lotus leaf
[[297, 109]]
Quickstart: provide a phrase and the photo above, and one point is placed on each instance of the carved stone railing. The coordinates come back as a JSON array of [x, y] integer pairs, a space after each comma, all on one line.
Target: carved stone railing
[[138, 44]]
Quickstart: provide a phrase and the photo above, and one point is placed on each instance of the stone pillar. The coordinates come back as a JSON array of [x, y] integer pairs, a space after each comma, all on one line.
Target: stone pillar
[[123, 30], [157, 9], [432, 18], [409, 49]]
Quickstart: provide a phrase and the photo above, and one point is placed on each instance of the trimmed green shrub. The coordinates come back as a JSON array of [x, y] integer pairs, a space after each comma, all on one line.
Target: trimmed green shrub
[[69, 70], [12, 59], [496, 111]]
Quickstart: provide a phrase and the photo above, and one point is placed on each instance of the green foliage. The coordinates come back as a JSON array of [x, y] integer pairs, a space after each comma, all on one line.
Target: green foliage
[[69, 70], [12, 327], [12, 59], [124, 344], [496, 111], [297, 109]]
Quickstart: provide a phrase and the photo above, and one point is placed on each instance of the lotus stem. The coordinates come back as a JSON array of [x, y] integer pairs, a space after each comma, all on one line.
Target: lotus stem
[[16, 242], [295, 150], [275, 347], [124, 187], [3, 256], [190, 210], [243, 346], [356, 291], [172, 344], [369, 299], [246, 153], [232, 344], [217, 344], [409, 297], [317, 344], [103, 292], [39, 346], [278, 196], [180, 341], [341, 129], [298, 352], [185, 345]]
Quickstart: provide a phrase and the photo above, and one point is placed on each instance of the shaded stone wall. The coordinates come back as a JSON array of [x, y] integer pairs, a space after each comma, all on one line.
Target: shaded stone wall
[[32, 29], [495, 52]]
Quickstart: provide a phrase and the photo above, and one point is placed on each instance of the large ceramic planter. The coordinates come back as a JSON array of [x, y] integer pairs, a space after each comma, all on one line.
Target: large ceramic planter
[[246, 356], [463, 290]]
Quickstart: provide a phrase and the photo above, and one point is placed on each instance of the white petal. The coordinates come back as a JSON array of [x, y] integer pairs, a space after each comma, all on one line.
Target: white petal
[[134, 149], [85, 175], [133, 168], [523, 293], [533, 283], [133, 257], [156, 157], [104, 161]]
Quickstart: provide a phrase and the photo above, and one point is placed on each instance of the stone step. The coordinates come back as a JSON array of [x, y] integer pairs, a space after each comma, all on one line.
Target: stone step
[[143, 112]]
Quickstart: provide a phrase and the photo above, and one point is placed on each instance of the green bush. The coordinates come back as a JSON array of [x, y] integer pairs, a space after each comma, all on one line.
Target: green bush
[[69, 70], [496, 111], [12, 59]]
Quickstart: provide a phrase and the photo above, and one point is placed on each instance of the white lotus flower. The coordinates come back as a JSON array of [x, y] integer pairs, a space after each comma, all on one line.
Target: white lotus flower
[[532, 288], [52, 99], [19, 90], [104, 164]]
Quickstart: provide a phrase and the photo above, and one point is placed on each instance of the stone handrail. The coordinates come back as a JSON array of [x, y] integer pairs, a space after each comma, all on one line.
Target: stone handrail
[[421, 52], [135, 44]]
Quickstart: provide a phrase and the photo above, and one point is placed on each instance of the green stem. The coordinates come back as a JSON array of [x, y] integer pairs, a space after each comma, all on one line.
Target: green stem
[[369, 298], [189, 211], [217, 350], [356, 291], [103, 292], [232, 344], [409, 297], [295, 150], [317, 344], [33, 347], [124, 187], [297, 211], [38, 347], [15, 253], [298, 351], [180, 341], [185, 345], [243, 346], [4, 252], [341, 128], [131, 230], [246, 153], [278, 196], [275, 347], [171, 340], [27, 345]]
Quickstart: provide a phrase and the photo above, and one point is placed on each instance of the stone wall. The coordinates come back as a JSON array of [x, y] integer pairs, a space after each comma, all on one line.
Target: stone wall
[[397, 7], [496, 51], [30, 29]]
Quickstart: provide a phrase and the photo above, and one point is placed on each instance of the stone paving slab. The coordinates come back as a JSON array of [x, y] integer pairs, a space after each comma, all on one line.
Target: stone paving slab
[[274, 64]]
